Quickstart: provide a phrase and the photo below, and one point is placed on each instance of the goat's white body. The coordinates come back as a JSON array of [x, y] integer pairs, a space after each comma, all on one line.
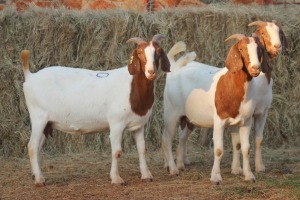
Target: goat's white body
[[88, 101], [81, 101]]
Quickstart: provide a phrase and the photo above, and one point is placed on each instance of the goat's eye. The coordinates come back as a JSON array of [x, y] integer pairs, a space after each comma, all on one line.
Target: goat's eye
[[241, 49]]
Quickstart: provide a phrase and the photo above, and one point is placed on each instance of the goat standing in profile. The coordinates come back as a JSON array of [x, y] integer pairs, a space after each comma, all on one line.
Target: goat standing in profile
[[81, 101]]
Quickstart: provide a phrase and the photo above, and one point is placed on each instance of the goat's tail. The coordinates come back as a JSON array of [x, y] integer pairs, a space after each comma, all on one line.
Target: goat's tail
[[177, 48], [185, 59], [25, 63]]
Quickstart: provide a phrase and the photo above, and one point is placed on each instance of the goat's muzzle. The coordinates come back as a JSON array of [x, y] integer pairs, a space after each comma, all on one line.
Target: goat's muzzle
[[255, 70], [150, 75]]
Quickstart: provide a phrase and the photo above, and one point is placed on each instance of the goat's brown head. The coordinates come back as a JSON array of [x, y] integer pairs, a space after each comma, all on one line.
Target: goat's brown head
[[271, 36], [245, 53], [145, 57]]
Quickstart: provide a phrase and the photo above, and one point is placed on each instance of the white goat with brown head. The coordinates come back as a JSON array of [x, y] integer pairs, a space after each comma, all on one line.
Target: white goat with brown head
[[81, 101], [205, 96]]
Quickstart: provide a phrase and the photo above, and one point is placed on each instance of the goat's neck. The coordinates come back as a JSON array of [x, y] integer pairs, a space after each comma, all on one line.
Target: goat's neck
[[141, 95], [230, 92]]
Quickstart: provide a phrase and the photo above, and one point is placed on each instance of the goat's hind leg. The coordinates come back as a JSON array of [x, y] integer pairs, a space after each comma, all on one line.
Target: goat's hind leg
[[34, 146], [182, 157]]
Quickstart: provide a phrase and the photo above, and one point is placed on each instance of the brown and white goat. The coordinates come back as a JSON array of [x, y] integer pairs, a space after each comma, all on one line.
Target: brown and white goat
[[274, 41], [81, 101], [205, 96]]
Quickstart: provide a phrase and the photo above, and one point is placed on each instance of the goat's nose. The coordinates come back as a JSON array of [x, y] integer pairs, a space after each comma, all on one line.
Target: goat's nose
[[277, 46], [151, 72], [255, 68]]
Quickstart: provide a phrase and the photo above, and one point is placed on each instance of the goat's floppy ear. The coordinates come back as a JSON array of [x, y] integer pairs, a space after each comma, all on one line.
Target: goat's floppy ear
[[164, 61], [133, 63], [266, 65], [283, 40], [234, 60], [284, 43], [263, 55]]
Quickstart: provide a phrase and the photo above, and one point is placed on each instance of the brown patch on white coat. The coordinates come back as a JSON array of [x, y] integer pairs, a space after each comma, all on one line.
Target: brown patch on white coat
[[230, 89], [143, 65]]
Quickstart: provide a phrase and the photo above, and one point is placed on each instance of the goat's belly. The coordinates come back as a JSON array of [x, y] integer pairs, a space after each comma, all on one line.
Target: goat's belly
[[198, 109], [80, 127]]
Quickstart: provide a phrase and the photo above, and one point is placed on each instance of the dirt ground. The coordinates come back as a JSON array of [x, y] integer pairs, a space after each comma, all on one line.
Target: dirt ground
[[86, 176]]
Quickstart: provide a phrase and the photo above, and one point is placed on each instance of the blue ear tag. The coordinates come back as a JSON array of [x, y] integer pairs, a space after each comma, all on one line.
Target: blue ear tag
[[102, 74]]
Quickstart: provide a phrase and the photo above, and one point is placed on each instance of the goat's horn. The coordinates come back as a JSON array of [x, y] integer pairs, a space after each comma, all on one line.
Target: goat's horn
[[257, 23], [235, 36], [157, 38], [274, 21], [136, 40]]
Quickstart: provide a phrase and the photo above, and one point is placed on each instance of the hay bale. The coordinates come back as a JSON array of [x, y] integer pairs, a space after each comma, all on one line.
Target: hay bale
[[97, 40]]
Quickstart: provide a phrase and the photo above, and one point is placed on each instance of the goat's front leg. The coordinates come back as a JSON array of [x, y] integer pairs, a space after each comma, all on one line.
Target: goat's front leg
[[259, 123], [218, 152], [140, 143], [245, 147], [116, 133], [236, 150]]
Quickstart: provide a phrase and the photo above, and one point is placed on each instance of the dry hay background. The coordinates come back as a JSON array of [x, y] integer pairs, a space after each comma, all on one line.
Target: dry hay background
[[97, 40]]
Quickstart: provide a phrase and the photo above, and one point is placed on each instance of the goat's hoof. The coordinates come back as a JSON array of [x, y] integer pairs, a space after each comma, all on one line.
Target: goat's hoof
[[260, 169], [40, 184], [250, 178], [168, 169], [117, 180], [147, 180], [181, 169], [237, 171], [216, 179], [119, 184], [180, 166], [217, 183], [39, 181], [187, 162], [148, 177], [174, 171]]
